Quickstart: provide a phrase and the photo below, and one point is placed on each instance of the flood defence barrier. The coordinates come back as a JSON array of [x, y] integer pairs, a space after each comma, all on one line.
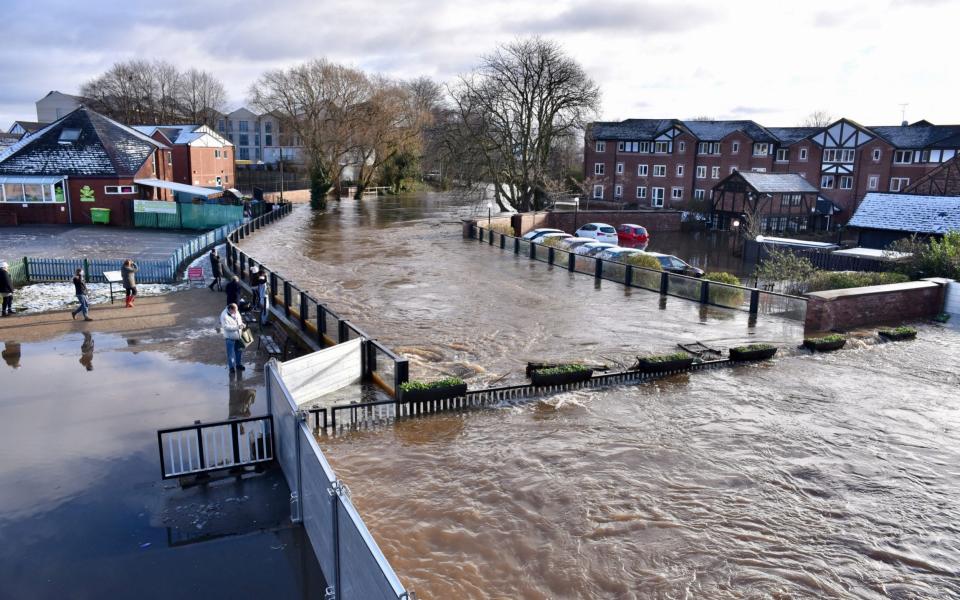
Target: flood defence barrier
[[755, 301], [352, 562]]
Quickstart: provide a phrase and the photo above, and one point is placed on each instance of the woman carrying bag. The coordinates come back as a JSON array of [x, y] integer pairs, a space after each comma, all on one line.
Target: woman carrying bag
[[237, 336]]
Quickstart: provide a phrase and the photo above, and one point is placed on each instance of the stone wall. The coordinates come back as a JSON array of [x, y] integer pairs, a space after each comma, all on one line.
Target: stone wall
[[875, 305]]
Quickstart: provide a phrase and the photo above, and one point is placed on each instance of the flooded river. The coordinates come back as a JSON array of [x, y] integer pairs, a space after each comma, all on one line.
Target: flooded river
[[828, 476]]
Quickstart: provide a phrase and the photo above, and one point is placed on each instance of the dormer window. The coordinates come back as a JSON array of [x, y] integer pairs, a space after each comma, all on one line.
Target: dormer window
[[69, 136]]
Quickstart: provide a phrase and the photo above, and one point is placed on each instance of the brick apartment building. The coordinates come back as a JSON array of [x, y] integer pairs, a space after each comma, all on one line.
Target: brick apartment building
[[201, 157], [671, 163], [83, 160]]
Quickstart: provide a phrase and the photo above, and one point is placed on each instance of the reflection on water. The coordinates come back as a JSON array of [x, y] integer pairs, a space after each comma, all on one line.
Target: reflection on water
[[11, 354], [825, 476], [400, 269], [86, 351]]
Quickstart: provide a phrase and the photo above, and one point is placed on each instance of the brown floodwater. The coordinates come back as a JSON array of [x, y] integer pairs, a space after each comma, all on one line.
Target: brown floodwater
[[825, 476]]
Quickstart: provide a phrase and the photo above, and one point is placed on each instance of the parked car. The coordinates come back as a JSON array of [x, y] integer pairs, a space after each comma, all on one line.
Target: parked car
[[673, 264], [598, 231], [617, 254], [633, 236], [552, 235], [593, 248], [537, 233], [572, 243]]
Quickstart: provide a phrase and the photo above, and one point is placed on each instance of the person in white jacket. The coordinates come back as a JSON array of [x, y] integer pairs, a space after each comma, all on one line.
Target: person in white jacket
[[231, 324]]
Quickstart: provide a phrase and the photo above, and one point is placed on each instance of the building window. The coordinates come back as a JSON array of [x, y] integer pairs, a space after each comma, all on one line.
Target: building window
[[699, 194], [216, 153], [244, 139], [838, 155], [708, 148], [256, 139], [244, 125], [645, 147], [846, 182], [601, 146], [268, 127], [826, 182], [620, 147], [643, 170], [701, 172], [662, 148], [629, 147], [761, 149], [876, 155], [899, 183], [714, 172], [803, 154], [656, 197], [618, 191], [783, 154], [679, 170], [791, 199], [641, 192], [220, 125], [619, 168], [676, 193], [598, 191], [903, 157], [120, 189], [759, 169], [735, 147], [734, 168], [659, 170], [244, 154], [872, 182], [598, 169], [267, 140], [169, 158], [682, 146]]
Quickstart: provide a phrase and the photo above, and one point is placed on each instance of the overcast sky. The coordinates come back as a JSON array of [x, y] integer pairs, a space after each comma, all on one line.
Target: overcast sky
[[770, 61]]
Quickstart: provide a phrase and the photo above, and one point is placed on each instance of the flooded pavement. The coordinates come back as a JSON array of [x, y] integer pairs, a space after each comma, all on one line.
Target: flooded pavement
[[400, 269], [83, 510], [825, 476]]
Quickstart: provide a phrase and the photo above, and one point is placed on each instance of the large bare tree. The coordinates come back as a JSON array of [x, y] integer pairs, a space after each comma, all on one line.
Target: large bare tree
[[817, 118], [514, 109], [201, 96]]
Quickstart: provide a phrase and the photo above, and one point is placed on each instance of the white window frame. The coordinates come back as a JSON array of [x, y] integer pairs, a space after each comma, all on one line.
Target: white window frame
[[643, 170], [873, 182], [845, 179], [734, 168], [701, 172], [699, 194], [619, 146], [659, 170], [838, 155], [645, 147], [783, 155], [900, 155], [661, 148], [641, 192], [114, 190], [601, 146], [598, 168], [679, 170], [901, 183], [657, 196], [877, 154], [825, 180], [803, 154], [619, 168], [681, 146], [761, 149], [598, 191], [618, 191], [714, 172], [735, 148], [676, 192]]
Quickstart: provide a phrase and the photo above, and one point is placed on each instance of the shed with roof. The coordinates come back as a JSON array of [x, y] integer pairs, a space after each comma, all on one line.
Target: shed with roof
[[883, 218]]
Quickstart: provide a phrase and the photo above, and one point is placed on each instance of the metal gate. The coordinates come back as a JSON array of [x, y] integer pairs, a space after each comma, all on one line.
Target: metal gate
[[205, 447]]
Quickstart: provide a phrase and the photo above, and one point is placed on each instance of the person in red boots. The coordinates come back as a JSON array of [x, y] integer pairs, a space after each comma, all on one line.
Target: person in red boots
[[128, 272]]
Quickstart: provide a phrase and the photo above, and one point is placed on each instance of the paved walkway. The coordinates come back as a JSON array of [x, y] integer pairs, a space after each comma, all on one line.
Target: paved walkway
[[74, 241]]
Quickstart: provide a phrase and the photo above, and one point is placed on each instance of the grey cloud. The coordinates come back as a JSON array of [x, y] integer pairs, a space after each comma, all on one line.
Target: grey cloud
[[643, 17]]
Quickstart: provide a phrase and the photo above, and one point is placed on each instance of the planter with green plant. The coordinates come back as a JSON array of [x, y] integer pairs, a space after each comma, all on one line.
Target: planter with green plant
[[660, 363], [561, 375], [896, 334], [752, 352], [826, 343], [422, 391]]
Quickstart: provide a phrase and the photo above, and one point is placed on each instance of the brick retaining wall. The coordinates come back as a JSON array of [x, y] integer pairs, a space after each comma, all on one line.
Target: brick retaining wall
[[874, 305]]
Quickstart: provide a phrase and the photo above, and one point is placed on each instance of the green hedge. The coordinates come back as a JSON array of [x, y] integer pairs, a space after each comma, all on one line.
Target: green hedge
[[410, 386], [838, 280]]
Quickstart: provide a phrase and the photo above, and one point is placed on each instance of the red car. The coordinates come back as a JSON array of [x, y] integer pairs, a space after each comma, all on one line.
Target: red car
[[633, 236]]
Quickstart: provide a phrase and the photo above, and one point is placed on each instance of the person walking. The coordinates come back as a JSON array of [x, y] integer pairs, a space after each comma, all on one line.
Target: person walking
[[6, 289], [80, 287], [233, 290], [216, 269], [129, 274], [254, 278], [231, 324]]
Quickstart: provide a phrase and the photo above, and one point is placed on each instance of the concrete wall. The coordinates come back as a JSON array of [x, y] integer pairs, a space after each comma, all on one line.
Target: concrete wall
[[874, 305]]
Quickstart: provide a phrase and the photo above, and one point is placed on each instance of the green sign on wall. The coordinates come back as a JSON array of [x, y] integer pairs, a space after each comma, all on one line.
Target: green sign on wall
[[86, 194]]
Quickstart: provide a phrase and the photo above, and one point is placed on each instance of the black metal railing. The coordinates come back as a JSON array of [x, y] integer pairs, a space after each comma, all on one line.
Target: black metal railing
[[205, 447]]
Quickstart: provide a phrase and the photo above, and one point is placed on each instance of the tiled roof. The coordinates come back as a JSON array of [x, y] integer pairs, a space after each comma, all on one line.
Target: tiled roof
[[916, 136], [777, 183], [908, 212], [103, 147], [792, 135], [631, 129], [712, 131], [180, 134], [30, 126]]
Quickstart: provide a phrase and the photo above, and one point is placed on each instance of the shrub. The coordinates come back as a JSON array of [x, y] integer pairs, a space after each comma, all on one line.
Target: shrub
[[753, 347], [502, 228], [838, 280], [722, 277], [936, 258], [659, 358], [726, 296], [571, 368], [785, 268], [409, 386], [553, 242], [643, 260]]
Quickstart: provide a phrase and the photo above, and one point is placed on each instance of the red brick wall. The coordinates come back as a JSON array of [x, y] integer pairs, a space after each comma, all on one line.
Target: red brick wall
[[876, 305], [205, 167]]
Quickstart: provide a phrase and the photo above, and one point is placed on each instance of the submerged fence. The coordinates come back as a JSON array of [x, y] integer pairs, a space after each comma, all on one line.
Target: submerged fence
[[752, 300], [351, 561], [36, 270], [316, 323]]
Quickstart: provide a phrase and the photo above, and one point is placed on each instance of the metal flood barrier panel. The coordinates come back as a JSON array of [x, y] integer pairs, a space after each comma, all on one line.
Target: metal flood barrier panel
[[351, 561]]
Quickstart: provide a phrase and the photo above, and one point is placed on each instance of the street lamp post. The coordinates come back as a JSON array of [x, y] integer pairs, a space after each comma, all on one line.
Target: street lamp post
[[489, 213]]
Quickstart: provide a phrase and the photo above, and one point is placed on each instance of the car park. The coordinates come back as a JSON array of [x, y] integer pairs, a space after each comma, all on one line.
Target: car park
[[534, 234], [593, 248], [630, 235], [598, 231], [672, 264]]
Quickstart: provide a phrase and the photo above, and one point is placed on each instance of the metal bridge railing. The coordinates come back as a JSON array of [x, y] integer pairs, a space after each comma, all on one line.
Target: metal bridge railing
[[206, 447]]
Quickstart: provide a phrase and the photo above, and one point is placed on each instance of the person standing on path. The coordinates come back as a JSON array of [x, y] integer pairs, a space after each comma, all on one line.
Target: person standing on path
[[231, 324], [129, 274], [233, 290], [80, 287], [6, 289], [216, 269], [254, 278]]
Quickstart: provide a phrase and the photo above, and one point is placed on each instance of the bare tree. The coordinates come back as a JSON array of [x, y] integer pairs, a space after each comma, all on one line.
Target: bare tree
[[701, 118], [201, 96], [513, 109], [817, 118]]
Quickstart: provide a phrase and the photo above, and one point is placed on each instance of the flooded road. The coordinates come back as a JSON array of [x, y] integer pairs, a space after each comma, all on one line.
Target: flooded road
[[400, 269], [829, 476]]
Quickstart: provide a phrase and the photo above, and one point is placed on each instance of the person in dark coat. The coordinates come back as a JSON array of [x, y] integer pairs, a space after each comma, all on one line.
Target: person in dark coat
[[129, 274], [6, 289], [80, 287], [233, 291], [216, 269]]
